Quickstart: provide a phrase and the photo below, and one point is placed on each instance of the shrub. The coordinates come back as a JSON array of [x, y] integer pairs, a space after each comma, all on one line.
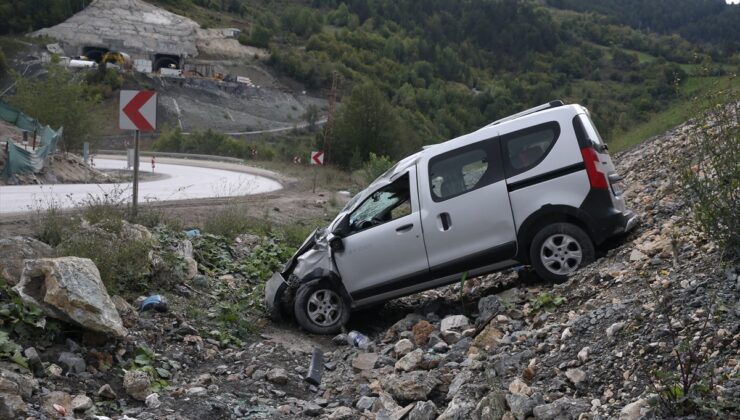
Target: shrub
[[294, 234], [103, 83], [375, 167], [109, 209], [170, 140], [123, 262], [49, 224], [260, 37], [712, 177], [230, 220]]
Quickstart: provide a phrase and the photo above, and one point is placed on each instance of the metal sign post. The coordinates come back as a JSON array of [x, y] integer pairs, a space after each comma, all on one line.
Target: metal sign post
[[138, 111], [317, 159], [136, 174]]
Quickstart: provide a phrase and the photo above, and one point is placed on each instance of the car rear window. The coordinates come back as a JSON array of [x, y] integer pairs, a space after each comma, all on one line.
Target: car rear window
[[590, 129], [465, 169], [525, 149]]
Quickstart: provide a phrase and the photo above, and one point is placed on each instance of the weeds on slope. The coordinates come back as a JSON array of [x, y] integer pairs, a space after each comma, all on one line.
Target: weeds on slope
[[712, 178]]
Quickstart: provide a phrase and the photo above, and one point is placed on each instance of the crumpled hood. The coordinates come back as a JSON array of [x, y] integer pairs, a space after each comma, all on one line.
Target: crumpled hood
[[314, 254]]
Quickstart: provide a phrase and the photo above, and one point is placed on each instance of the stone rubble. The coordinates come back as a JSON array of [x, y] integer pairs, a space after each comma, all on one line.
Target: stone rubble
[[498, 355]]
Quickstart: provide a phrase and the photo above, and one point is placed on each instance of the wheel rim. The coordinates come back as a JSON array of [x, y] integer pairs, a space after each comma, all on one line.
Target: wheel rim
[[324, 307], [561, 254]]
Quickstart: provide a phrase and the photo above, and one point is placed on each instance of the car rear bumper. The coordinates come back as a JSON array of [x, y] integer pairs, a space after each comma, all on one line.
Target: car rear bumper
[[273, 295], [631, 221], [616, 223]]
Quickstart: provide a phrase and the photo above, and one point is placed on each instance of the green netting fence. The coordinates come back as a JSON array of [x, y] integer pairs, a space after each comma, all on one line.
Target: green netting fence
[[20, 160]]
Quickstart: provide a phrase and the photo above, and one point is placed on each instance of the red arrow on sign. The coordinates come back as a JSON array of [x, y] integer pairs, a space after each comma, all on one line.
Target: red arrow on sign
[[132, 110], [317, 158]]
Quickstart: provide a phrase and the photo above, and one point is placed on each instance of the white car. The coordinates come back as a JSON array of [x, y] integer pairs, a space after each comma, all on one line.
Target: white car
[[534, 188]]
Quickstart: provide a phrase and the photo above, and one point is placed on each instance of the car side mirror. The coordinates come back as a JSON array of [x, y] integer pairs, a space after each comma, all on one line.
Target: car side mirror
[[342, 229], [336, 244]]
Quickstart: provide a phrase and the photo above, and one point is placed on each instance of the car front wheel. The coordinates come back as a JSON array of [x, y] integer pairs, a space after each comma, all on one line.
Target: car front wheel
[[560, 249], [319, 308]]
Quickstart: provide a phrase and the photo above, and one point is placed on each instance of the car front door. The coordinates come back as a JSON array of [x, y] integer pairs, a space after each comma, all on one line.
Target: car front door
[[385, 245], [467, 216]]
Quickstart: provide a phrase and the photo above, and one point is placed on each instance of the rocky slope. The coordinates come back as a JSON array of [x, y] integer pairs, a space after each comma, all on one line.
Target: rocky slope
[[605, 344]]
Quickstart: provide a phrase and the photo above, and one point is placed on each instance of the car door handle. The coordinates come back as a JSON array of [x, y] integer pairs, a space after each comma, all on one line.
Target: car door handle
[[405, 228], [446, 221]]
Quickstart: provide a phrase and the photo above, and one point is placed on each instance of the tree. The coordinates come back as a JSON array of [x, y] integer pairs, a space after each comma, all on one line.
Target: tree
[[58, 100], [260, 36], [301, 21], [3, 64], [366, 124]]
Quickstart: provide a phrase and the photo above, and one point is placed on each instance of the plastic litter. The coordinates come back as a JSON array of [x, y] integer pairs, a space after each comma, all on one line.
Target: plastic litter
[[192, 233], [358, 340], [154, 302]]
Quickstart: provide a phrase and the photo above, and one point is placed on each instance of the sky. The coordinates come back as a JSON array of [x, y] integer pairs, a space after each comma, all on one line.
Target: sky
[[733, 1]]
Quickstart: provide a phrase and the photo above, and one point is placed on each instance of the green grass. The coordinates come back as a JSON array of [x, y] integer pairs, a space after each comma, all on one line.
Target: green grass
[[641, 56], [678, 112]]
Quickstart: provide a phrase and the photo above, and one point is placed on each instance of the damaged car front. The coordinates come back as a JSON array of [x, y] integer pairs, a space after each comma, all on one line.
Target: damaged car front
[[314, 263], [312, 260]]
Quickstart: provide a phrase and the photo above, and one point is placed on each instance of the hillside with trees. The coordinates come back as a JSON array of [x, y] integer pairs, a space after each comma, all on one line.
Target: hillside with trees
[[20, 16], [713, 22], [439, 71]]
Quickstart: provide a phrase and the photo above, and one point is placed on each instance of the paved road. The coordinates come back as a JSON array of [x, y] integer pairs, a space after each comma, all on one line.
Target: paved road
[[179, 182], [280, 129]]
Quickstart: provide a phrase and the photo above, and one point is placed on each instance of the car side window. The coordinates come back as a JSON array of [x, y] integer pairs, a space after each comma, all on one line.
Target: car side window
[[388, 203], [465, 169], [525, 149]]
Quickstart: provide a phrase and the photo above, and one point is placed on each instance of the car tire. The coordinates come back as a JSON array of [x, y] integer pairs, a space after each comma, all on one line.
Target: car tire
[[560, 249], [320, 308]]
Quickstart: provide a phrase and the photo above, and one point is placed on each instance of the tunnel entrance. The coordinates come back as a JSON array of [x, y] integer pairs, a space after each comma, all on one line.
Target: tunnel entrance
[[95, 53], [166, 61]]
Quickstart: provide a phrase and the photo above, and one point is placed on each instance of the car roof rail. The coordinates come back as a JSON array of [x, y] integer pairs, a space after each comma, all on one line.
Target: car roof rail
[[551, 104]]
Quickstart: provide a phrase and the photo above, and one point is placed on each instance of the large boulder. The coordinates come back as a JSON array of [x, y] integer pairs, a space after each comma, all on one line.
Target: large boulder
[[14, 250], [70, 289]]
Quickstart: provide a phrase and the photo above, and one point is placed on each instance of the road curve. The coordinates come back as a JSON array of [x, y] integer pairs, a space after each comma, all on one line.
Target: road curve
[[180, 181]]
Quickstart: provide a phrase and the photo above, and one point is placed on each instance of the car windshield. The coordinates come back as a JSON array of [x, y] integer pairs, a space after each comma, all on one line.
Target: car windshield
[[381, 205], [375, 206]]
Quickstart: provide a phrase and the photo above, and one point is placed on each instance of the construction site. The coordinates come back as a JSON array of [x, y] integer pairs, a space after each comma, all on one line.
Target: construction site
[[205, 78]]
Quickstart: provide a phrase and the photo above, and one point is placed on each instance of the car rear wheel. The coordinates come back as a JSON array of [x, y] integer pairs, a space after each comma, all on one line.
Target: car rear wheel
[[320, 308], [558, 250]]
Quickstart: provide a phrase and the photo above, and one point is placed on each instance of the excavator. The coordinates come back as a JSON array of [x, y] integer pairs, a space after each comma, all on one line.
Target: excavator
[[121, 59]]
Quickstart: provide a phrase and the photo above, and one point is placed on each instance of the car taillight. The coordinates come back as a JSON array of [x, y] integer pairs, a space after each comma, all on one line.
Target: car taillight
[[595, 177]]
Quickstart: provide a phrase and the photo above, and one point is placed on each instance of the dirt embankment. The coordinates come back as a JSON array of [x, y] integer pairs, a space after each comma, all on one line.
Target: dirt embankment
[[607, 343], [61, 168]]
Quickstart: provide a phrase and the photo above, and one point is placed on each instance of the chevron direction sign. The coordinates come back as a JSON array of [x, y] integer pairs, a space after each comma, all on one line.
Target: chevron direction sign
[[317, 157], [138, 110]]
